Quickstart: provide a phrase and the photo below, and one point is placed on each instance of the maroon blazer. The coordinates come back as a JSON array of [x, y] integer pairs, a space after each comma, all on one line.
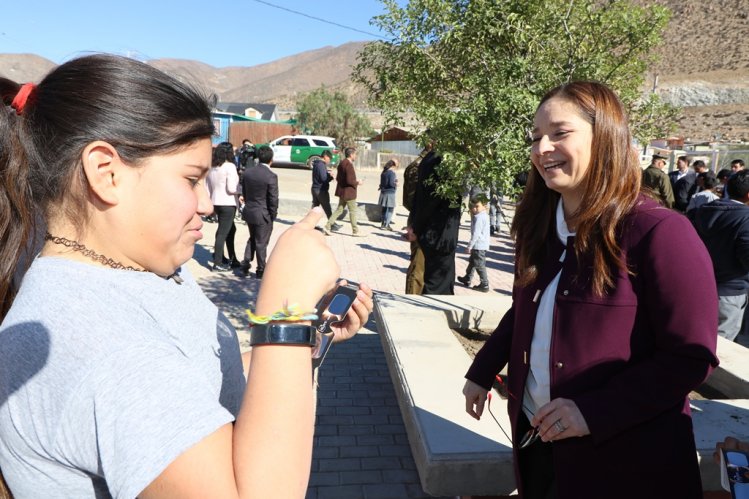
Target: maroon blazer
[[627, 359], [346, 182]]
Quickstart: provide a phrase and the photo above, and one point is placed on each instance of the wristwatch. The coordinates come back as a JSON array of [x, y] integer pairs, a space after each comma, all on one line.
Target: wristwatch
[[283, 334], [293, 334]]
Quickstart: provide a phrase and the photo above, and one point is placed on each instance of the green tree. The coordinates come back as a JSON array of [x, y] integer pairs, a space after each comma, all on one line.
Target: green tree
[[652, 118], [321, 112], [473, 71]]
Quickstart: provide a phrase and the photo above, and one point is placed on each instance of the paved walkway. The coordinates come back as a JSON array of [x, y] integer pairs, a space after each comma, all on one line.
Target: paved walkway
[[361, 447]]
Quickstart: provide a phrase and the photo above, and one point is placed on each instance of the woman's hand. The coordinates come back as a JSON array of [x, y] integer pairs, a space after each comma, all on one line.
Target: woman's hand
[[300, 269], [475, 398], [560, 419], [357, 315]]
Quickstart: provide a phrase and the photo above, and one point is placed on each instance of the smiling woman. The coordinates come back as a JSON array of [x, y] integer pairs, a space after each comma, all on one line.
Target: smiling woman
[[118, 377], [607, 334]]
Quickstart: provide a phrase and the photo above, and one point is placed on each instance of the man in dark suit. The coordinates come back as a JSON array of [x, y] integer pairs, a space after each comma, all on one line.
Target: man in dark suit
[[683, 183], [260, 198]]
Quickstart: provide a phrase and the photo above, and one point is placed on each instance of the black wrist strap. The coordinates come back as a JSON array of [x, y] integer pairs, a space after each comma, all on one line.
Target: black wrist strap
[[283, 334]]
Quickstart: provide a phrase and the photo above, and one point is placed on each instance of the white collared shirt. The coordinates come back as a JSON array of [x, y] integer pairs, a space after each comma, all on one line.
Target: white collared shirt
[[538, 385]]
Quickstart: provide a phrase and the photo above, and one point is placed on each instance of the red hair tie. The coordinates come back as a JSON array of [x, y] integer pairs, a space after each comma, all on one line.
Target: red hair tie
[[22, 97]]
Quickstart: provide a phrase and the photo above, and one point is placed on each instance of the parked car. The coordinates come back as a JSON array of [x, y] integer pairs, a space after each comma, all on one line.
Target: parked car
[[303, 149]]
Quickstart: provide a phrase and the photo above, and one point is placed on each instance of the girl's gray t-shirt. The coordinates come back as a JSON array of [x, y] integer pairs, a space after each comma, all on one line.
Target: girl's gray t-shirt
[[106, 376]]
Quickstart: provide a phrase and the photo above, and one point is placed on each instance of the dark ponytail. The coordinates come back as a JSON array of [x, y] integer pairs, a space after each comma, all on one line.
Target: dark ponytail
[[16, 206]]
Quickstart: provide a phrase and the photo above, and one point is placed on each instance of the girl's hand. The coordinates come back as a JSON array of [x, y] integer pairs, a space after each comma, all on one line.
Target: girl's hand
[[300, 269], [357, 315]]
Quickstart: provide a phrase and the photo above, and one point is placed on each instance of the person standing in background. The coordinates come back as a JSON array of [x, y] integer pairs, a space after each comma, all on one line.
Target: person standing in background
[[346, 187], [246, 154], [723, 176], [736, 166], [321, 178], [435, 222], [683, 183], [478, 245], [223, 183], [260, 198], [415, 271], [656, 183], [388, 185], [699, 166], [706, 184], [723, 226]]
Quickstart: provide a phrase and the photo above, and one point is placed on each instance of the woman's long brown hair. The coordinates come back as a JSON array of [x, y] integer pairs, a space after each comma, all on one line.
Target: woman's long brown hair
[[612, 186]]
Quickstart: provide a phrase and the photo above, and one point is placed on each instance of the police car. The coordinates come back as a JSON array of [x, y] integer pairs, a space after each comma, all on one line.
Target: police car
[[303, 149]]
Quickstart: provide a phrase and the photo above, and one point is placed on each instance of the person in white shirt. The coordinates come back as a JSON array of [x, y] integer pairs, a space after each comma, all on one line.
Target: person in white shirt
[[222, 183]]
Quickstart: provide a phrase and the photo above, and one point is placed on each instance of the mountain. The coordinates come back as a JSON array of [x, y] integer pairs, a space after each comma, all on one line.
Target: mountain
[[278, 82], [703, 67], [24, 67]]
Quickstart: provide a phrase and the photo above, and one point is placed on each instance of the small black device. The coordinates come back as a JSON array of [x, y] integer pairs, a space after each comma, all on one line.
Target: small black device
[[735, 472], [331, 309]]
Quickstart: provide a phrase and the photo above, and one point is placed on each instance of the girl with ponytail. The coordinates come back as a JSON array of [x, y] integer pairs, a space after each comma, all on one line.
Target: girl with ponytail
[[118, 377]]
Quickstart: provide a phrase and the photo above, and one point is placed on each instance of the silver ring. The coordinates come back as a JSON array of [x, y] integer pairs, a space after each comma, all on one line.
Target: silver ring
[[559, 426]]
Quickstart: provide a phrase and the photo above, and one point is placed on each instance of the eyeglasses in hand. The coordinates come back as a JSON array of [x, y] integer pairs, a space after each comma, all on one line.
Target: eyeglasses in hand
[[529, 436]]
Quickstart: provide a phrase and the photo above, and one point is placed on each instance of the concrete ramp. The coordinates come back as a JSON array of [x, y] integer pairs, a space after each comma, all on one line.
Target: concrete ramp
[[456, 455]]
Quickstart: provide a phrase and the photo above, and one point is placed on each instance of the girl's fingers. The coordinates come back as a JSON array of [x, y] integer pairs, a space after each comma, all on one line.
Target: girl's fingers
[[311, 218]]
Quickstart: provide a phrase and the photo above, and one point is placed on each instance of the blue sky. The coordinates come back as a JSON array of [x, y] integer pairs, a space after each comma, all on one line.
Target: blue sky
[[218, 32]]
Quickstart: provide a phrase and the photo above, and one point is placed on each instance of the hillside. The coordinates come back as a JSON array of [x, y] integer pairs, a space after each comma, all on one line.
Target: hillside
[[24, 67], [705, 36], [703, 67]]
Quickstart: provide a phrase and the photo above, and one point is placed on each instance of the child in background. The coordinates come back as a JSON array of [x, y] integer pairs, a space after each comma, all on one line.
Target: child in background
[[479, 243]]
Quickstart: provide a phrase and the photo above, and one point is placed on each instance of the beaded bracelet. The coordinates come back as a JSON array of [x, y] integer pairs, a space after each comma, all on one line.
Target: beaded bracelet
[[289, 313]]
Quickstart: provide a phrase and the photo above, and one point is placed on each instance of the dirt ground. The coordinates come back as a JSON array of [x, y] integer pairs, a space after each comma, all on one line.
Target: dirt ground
[[471, 340]]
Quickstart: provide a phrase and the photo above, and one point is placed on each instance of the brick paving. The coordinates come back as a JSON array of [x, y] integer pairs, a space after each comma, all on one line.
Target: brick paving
[[361, 448]]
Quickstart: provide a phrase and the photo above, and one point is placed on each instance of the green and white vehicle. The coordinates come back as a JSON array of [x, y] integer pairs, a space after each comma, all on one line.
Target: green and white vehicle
[[303, 149]]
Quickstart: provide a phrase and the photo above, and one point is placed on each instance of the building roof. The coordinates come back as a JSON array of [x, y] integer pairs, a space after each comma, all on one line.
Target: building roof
[[393, 134], [239, 108]]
